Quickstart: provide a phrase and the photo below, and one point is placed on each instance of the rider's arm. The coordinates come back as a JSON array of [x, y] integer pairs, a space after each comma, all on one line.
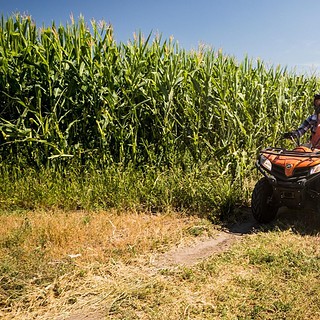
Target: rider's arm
[[306, 125]]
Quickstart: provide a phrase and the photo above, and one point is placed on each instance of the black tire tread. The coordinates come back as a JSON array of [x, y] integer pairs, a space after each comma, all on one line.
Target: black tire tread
[[262, 211]]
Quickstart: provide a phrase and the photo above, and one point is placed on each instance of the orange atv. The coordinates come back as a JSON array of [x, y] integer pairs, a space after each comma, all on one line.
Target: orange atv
[[291, 179]]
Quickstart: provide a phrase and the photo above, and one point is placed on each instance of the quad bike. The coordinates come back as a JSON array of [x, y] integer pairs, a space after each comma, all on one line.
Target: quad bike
[[291, 179]]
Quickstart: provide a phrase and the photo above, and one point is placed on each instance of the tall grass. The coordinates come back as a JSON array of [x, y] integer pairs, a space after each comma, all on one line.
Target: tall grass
[[71, 96]]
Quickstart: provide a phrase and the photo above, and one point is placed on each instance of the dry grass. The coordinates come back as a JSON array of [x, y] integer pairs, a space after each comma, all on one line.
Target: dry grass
[[47, 255], [94, 236], [99, 265]]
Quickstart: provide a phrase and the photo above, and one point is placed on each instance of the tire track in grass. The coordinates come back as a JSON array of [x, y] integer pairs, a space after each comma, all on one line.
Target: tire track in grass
[[204, 248]]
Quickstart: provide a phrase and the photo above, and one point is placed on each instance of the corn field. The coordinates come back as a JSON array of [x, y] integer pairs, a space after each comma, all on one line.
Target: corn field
[[74, 92], [71, 95]]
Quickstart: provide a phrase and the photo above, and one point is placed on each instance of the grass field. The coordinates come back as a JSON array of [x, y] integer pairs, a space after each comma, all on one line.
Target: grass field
[[67, 265]]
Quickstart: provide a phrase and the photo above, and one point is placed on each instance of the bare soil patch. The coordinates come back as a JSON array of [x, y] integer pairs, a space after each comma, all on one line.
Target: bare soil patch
[[199, 249]]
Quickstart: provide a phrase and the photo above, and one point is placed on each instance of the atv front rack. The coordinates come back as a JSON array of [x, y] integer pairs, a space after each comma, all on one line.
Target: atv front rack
[[292, 153]]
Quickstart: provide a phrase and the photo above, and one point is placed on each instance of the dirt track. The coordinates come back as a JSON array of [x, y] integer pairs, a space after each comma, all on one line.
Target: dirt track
[[191, 254], [186, 255], [303, 222]]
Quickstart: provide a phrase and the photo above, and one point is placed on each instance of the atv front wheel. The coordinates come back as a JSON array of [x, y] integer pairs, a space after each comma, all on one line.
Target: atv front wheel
[[261, 202]]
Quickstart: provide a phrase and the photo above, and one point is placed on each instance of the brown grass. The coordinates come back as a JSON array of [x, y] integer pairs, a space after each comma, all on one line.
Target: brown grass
[[99, 265], [56, 258], [94, 236]]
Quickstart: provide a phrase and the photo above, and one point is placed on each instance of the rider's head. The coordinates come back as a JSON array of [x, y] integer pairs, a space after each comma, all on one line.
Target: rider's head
[[316, 103]]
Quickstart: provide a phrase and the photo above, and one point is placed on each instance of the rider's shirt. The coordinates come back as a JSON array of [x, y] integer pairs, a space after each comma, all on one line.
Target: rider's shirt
[[310, 123], [315, 138]]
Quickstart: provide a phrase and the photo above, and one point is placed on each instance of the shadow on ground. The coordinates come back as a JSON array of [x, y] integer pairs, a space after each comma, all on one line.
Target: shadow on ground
[[303, 222]]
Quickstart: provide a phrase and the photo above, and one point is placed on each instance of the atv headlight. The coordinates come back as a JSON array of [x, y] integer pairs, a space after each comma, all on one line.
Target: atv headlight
[[265, 162], [315, 169]]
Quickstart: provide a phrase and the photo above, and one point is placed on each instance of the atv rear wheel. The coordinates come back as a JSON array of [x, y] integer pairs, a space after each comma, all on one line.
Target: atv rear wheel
[[261, 202]]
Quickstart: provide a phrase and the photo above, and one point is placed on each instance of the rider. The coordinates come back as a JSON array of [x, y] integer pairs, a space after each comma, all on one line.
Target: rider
[[312, 123]]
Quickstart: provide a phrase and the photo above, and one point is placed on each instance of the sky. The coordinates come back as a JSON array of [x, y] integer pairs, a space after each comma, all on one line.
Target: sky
[[278, 32]]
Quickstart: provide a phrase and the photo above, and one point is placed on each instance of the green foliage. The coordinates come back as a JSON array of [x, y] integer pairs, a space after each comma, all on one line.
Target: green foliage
[[75, 102], [74, 92], [199, 190]]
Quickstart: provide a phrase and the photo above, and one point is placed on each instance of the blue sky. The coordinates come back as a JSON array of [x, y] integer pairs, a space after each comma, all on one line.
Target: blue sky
[[284, 32]]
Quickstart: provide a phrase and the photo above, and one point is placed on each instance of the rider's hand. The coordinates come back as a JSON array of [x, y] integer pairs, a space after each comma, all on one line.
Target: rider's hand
[[287, 135], [290, 135]]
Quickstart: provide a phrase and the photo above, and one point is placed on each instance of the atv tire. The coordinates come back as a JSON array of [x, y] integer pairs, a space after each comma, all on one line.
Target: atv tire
[[262, 209]]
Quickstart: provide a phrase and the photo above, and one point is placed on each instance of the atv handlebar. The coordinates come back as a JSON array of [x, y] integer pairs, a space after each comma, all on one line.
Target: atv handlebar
[[293, 137]]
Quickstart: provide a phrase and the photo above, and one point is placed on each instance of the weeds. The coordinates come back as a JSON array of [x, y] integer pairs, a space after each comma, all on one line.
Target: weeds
[[116, 187]]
